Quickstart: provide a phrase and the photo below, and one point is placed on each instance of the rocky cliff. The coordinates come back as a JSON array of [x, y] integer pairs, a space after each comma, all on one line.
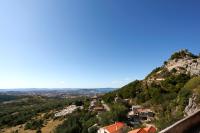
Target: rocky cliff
[[192, 105], [186, 65], [181, 62]]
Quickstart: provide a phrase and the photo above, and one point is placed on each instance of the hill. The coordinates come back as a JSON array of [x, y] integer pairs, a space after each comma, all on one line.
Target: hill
[[171, 90]]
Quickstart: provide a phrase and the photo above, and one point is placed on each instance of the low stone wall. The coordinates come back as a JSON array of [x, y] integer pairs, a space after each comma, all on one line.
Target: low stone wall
[[184, 124]]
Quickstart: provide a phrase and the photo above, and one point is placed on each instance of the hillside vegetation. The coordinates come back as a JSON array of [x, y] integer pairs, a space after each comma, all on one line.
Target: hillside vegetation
[[32, 112], [166, 90]]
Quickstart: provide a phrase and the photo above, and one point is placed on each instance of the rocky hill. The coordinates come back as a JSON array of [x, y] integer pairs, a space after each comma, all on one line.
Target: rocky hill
[[187, 64], [172, 90], [181, 62]]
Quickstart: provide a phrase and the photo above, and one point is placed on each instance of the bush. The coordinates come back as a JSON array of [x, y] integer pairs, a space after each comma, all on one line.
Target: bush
[[154, 72], [193, 83], [77, 122], [175, 83], [183, 97], [34, 124], [182, 54], [118, 113]]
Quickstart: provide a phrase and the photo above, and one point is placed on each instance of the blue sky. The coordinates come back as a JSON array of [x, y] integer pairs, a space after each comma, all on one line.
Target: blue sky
[[91, 43]]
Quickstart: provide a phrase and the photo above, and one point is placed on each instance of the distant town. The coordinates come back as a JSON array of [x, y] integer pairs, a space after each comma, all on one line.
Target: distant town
[[57, 92]]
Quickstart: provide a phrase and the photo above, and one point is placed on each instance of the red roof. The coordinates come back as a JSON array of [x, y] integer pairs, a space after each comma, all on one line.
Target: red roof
[[114, 128], [139, 130], [149, 129]]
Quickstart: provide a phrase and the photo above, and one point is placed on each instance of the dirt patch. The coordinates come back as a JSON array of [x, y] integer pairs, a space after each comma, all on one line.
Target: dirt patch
[[19, 128], [51, 125]]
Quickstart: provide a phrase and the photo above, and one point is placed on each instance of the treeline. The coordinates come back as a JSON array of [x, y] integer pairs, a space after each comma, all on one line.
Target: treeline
[[182, 54], [4, 97]]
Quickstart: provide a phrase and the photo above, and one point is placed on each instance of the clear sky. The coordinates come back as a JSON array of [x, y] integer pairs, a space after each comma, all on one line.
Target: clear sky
[[91, 43]]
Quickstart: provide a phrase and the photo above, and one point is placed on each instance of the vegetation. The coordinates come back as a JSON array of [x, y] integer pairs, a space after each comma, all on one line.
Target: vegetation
[[118, 113], [154, 71], [78, 122], [34, 124], [128, 91], [82, 121], [168, 97], [16, 113], [8, 97], [182, 54], [194, 83]]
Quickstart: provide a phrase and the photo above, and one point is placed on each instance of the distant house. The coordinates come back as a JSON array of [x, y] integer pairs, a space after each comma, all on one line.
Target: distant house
[[149, 129], [118, 127], [144, 114], [134, 109]]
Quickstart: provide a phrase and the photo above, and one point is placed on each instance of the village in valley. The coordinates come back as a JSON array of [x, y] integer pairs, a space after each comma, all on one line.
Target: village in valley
[[138, 118]]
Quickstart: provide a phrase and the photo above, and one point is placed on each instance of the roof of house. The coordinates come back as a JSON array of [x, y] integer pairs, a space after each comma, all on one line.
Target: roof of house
[[139, 130], [114, 127], [149, 129]]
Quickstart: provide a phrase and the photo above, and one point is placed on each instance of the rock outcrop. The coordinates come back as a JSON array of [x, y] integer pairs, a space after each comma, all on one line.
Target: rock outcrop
[[185, 65], [181, 62], [192, 105]]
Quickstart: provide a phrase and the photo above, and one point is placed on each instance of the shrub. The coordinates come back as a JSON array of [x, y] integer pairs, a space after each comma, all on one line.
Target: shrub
[[118, 113], [182, 54], [34, 124], [154, 71], [193, 83]]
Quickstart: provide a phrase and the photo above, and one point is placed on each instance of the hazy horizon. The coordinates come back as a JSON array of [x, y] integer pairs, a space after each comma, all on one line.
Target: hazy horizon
[[54, 88]]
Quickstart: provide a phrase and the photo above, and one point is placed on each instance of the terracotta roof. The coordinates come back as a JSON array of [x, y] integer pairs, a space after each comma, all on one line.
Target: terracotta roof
[[139, 130], [149, 129], [114, 127]]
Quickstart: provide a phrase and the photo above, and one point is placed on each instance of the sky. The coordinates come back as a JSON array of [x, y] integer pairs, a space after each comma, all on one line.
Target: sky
[[91, 43]]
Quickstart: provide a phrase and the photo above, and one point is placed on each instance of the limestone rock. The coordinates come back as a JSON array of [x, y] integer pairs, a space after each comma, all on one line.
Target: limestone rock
[[192, 105], [185, 65]]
